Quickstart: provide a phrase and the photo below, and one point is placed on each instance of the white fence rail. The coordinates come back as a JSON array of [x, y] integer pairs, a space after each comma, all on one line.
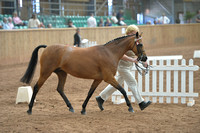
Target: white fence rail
[[167, 81], [85, 43]]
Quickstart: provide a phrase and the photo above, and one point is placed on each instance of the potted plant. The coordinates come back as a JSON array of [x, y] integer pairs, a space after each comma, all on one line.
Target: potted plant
[[189, 16]]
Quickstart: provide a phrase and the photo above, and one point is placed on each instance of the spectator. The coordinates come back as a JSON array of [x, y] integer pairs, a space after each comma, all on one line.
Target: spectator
[[181, 18], [17, 21], [42, 25], [148, 22], [164, 19], [121, 22], [70, 24], [108, 22], [154, 22], [198, 17], [91, 21], [158, 22], [34, 22], [4, 25], [120, 15], [114, 18], [10, 23], [101, 23], [77, 38], [49, 26]]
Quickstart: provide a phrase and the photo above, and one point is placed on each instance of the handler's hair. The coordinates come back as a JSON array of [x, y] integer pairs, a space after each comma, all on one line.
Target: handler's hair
[[131, 28]]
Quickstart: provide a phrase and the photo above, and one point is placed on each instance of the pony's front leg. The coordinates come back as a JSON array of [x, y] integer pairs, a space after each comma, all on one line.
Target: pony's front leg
[[91, 91], [115, 84]]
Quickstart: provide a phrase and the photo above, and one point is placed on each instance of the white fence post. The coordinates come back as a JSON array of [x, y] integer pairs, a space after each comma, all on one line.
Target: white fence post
[[168, 82], [175, 81], [161, 82], [183, 81], [154, 82]]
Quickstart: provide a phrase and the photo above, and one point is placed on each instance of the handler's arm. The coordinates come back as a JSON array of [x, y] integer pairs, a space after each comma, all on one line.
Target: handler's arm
[[127, 58]]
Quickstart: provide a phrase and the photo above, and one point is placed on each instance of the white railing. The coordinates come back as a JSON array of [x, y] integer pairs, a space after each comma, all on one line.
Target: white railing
[[85, 43], [167, 81]]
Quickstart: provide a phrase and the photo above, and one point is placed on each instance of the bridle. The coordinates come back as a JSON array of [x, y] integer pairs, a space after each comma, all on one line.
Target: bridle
[[138, 44], [140, 68]]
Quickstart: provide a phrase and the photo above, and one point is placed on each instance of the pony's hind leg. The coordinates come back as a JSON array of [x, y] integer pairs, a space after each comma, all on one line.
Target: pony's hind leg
[[37, 86], [91, 91], [61, 82]]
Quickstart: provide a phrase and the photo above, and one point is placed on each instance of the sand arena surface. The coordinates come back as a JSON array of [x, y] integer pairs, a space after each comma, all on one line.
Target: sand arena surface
[[51, 115]]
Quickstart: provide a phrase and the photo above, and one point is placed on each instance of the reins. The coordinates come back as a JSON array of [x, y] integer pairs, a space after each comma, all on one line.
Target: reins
[[142, 70]]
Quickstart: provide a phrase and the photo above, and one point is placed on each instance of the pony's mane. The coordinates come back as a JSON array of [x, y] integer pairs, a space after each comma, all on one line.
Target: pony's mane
[[122, 37]]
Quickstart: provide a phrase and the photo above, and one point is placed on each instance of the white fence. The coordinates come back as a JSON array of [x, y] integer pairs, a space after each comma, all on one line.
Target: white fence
[[167, 81], [85, 43]]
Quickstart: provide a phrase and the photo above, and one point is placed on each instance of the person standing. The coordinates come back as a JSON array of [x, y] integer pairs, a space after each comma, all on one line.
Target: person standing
[[77, 38], [34, 22], [198, 17], [120, 15], [91, 21], [164, 19], [124, 74]]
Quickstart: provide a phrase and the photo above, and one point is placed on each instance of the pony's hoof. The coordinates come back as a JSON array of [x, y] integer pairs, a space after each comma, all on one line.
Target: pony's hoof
[[83, 112], [29, 112], [130, 109], [71, 110]]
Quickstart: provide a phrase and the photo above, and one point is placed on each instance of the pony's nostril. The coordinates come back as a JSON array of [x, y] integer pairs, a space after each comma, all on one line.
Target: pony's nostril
[[144, 58]]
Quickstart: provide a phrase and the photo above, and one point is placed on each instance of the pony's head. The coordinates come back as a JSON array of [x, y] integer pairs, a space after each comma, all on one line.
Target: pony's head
[[138, 48]]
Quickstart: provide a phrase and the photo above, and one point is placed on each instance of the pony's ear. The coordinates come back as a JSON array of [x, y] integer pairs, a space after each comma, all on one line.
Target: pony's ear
[[137, 35]]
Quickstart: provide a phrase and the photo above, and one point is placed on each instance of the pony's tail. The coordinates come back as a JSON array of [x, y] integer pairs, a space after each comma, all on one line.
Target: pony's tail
[[32, 65]]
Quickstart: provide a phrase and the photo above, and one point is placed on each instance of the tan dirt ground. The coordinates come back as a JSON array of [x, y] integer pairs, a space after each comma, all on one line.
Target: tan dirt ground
[[51, 115]]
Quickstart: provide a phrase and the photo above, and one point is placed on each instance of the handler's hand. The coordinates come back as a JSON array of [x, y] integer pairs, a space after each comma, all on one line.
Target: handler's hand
[[145, 64]]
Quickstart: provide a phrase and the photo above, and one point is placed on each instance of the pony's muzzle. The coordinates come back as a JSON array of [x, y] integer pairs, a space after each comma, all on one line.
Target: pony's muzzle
[[142, 58]]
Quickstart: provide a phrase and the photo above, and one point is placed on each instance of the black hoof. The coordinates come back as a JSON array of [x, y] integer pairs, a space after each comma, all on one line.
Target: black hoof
[[29, 112], [83, 112], [100, 102], [71, 110], [130, 109]]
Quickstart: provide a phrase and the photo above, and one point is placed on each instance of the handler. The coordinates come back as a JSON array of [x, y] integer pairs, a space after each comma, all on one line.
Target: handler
[[124, 74]]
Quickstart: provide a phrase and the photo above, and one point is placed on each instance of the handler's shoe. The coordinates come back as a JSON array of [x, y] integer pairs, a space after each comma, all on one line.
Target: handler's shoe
[[144, 104], [100, 102]]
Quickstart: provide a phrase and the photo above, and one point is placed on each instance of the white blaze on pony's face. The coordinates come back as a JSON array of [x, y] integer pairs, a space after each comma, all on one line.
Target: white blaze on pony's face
[[140, 48]]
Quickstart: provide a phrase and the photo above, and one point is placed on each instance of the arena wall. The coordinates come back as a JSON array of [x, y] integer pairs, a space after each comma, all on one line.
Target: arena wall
[[16, 46]]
